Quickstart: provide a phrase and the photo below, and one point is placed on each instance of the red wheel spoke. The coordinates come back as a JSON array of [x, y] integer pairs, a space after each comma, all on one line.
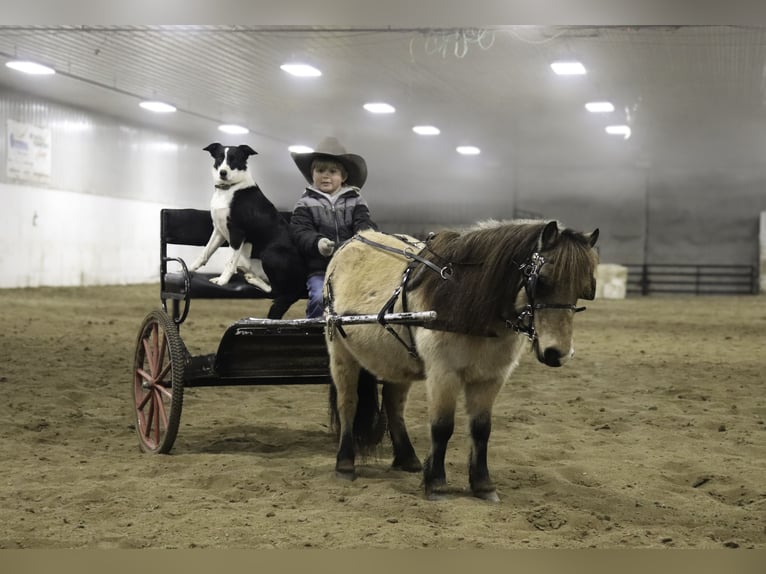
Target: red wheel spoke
[[161, 410], [154, 339], [146, 376], [142, 403], [164, 373], [168, 393], [148, 419], [149, 355]]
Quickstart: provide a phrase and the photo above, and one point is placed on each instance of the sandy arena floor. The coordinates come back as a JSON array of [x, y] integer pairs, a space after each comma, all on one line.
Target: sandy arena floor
[[653, 436]]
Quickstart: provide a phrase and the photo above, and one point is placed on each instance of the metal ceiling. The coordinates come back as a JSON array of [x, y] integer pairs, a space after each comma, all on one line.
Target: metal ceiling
[[691, 94]]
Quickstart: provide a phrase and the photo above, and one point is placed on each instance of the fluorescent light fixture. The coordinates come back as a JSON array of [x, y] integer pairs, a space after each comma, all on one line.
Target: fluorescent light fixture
[[426, 130], [30, 68], [301, 70], [233, 129], [621, 130], [379, 108], [300, 149], [599, 107], [468, 150], [568, 68], [158, 107]]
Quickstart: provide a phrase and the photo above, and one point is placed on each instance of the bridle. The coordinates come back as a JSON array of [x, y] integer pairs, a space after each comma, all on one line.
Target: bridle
[[524, 322], [525, 319]]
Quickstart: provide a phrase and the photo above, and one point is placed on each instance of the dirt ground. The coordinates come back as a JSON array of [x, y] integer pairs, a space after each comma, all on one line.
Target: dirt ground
[[654, 435]]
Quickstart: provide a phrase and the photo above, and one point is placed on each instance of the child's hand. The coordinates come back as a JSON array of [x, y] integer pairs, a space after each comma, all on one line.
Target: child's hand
[[325, 246]]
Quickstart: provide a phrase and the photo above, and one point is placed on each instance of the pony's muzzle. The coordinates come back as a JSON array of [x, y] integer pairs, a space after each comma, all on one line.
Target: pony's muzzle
[[553, 357]]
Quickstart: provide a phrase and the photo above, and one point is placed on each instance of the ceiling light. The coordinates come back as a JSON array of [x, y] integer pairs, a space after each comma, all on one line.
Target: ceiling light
[[158, 107], [233, 129], [379, 108], [468, 150], [621, 130], [598, 107], [30, 68], [568, 68], [426, 130], [302, 70], [300, 149]]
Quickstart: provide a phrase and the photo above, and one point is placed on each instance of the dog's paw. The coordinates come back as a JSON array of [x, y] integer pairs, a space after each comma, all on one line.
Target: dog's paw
[[258, 282], [220, 280]]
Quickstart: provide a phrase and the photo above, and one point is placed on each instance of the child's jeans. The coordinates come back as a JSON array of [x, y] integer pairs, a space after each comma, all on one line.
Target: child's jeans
[[315, 305]]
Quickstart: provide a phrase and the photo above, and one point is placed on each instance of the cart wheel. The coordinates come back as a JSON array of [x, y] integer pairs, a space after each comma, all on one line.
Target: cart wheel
[[158, 385]]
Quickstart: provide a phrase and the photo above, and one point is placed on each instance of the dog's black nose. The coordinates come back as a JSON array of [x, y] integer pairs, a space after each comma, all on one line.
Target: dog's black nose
[[223, 173]]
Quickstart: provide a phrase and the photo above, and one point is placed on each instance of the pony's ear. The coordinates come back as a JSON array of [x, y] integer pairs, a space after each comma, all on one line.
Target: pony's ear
[[548, 235], [213, 148], [247, 149], [593, 237]]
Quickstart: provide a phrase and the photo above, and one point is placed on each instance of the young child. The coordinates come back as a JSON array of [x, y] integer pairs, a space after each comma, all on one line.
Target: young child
[[329, 212]]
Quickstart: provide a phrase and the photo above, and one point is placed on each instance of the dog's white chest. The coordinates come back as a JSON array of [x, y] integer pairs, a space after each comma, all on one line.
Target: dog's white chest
[[220, 205]]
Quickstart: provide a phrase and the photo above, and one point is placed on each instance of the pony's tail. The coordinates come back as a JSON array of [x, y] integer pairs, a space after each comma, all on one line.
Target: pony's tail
[[370, 421]]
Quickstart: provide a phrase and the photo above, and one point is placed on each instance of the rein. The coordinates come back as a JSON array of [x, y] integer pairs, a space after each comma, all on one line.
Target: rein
[[444, 272], [525, 320], [408, 253]]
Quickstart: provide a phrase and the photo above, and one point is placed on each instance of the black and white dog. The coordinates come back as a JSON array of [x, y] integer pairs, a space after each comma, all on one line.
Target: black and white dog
[[255, 230]]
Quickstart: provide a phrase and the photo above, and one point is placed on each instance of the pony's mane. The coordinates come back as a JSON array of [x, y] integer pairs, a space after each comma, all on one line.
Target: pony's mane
[[486, 260], [573, 254]]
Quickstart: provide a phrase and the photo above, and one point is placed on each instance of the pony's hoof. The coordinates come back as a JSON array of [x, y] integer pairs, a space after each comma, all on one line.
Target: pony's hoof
[[344, 475], [345, 470], [489, 496], [436, 490]]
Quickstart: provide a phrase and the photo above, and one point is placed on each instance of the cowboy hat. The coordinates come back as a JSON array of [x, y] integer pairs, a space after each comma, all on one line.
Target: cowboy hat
[[331, 149]]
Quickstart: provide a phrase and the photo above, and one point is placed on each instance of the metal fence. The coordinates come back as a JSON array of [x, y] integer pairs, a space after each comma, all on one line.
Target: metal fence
[[646, 279]]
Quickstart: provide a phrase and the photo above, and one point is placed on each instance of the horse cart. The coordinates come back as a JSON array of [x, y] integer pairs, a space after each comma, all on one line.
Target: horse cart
[[252, 351]]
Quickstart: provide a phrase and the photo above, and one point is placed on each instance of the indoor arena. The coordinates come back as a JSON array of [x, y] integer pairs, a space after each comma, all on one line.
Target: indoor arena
[[156, 394]]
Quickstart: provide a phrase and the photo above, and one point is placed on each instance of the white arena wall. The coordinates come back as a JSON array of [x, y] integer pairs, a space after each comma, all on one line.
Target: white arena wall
[[63, 238], [66, 238]]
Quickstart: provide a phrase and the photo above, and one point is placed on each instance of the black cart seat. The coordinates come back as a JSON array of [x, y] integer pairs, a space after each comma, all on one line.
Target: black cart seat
[[194, 227]]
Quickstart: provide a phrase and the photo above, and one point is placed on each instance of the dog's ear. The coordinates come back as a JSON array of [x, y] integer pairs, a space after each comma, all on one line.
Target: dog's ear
[[213, 148], [246, 149]]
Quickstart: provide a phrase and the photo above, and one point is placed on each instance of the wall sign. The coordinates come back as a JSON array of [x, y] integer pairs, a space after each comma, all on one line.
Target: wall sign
[[29, 152]]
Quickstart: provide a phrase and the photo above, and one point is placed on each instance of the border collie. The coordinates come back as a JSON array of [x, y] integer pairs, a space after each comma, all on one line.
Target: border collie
[[255, 230]]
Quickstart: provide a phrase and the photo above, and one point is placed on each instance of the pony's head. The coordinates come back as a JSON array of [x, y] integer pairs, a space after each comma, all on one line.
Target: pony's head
[[527, 275], [560, 271]]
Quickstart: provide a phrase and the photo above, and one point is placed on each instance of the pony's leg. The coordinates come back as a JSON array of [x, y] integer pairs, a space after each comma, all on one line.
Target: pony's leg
[[479, 398], [394, 400], [345, 375], [442, 396]]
